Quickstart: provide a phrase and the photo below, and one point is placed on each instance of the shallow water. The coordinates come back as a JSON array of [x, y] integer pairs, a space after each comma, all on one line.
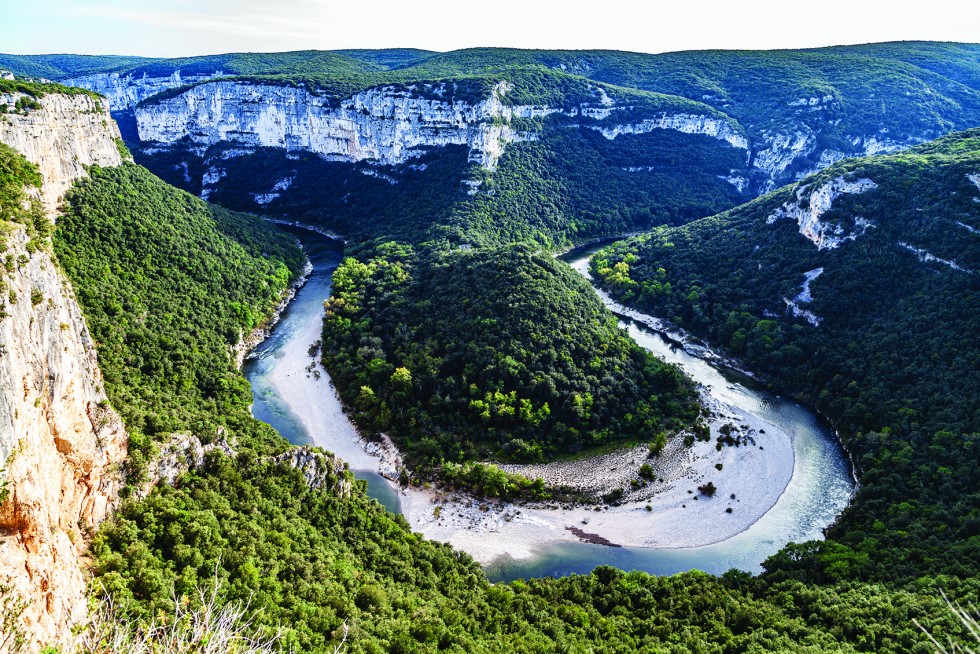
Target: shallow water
[[819, 490], [281, 408]]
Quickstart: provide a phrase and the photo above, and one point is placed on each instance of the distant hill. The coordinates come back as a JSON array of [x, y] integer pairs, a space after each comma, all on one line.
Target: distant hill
[[672, 137]]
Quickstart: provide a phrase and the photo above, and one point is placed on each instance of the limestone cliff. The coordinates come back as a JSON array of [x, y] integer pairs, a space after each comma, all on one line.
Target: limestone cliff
[[61, 446], [126, 90], [64, 136], [385, 125], [812, 203]]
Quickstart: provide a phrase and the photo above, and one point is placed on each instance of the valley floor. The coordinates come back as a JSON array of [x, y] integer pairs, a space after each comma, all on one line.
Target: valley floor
[[680, 516], [750, 482]]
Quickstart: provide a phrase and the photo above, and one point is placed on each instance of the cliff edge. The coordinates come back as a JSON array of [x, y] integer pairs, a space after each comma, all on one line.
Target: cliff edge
[[61, 445]]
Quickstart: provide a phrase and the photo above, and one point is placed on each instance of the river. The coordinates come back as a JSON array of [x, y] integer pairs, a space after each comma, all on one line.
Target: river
[[302, 405]]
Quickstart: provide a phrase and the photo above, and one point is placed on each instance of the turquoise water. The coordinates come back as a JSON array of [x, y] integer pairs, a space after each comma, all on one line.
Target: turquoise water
[[819, 490], [325, 254]]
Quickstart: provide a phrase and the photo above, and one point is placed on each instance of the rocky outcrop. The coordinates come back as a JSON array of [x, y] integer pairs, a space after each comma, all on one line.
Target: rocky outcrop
[[60, 444], [780, 150], [126, 90], [715, 127], [926, 257], [64, 136], [805, 297], [386, 125], [322, 471], [184, 452], [181, 453], [808, 208]]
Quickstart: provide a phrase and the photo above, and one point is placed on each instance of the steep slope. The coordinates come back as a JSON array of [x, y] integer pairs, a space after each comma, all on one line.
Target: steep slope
[[801, 110], [170, 285], [60, 443], [857, 288], [312, 558], [491, 353]]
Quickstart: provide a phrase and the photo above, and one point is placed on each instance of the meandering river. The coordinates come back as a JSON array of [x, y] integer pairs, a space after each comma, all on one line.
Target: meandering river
[[299, 401]]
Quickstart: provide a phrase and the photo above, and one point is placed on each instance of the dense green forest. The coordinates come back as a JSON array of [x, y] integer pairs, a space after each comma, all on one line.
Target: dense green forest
[[169, 285], [312, 560], [503, 353], [893, 358]]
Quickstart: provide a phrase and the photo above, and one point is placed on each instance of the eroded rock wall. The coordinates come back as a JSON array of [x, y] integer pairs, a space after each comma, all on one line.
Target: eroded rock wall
[[61, 446]]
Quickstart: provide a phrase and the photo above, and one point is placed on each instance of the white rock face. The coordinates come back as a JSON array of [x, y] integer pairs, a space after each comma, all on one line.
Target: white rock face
[[972, 230], [718, 128], [62, 137], [264, 198], [926, 256], [871, 145], [60, 443], [805, 297], [807, 211], [781, 149], [321, 471], [828, 158], [126, 91], [739, 182], [384, 124], [814, 103], [975, 178]]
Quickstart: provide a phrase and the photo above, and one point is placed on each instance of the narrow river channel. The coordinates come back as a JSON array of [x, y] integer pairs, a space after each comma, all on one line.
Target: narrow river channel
[[300, 402]]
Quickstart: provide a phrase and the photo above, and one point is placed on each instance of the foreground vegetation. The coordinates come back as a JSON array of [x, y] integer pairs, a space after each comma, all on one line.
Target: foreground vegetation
[[169, 285]]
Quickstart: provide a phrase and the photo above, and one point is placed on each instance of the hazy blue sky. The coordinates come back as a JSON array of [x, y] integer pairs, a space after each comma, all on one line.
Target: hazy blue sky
[[190, 27]]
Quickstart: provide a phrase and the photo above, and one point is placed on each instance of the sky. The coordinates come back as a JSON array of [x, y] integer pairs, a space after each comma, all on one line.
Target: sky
[[160, 28]]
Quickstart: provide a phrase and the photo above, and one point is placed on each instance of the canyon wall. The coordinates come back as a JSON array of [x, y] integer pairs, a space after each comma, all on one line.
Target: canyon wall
[[61, 445]]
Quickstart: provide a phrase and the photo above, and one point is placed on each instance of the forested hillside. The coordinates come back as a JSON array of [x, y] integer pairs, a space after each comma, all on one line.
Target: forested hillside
[[858, 290], [169, 284], [312, 560], [492, 353]]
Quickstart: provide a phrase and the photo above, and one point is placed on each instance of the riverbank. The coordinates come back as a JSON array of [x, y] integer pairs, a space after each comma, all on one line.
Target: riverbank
[[765, 470], [247, 344], [669, 511]]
